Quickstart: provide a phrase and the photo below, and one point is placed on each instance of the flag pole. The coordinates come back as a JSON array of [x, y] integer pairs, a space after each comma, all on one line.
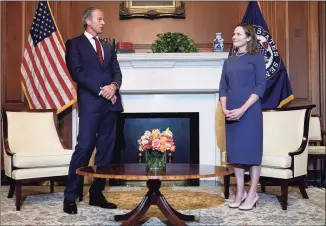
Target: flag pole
[[259, 6]]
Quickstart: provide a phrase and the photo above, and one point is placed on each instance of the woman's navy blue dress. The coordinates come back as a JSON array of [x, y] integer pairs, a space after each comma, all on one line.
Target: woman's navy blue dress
[[241, 77]]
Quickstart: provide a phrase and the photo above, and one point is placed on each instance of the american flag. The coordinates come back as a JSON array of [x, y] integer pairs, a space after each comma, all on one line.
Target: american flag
[[45, 78]]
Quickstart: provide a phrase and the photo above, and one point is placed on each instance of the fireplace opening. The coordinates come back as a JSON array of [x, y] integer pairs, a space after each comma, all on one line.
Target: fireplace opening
[[131, 126]]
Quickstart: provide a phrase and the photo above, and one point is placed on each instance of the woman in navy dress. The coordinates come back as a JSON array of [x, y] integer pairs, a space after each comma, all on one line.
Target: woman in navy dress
[[242, 86]]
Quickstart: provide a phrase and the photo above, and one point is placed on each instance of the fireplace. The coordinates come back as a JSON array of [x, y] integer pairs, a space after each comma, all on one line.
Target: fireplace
[[184, 126], [131, 126], [173, 83]]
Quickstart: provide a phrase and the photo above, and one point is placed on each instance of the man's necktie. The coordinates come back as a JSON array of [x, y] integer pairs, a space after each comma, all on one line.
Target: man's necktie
[[99, 50]]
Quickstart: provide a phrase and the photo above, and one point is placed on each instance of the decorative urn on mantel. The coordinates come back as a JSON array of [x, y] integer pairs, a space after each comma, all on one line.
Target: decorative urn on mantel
[[218, 43]]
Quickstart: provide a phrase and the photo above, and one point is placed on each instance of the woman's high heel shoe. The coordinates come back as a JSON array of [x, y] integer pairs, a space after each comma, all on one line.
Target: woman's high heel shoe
[[237, 204], [250, 206]]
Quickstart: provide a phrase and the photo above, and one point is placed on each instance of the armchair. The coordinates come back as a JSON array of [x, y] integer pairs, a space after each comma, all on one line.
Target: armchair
[[32, 148]]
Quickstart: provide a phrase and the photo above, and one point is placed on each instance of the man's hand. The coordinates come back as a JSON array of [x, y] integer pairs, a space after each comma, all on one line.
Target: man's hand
[[114, 99], [73, 92], [108, 91]]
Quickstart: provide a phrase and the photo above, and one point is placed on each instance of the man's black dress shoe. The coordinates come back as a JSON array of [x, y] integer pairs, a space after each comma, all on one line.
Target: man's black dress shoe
[[69, 206], [99, 200]]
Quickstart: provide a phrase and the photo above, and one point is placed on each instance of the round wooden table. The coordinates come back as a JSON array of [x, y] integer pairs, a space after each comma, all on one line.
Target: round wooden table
[[173, 171]]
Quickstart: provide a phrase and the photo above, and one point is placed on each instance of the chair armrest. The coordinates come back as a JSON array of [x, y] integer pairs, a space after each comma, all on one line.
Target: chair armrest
[[63, 142], [7, 148], [301, 149]]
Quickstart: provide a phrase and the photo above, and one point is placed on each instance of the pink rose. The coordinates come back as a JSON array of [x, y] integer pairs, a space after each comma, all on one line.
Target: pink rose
[[156, 143]]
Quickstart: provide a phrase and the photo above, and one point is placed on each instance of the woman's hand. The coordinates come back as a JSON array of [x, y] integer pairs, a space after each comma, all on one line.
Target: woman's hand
[[225, 112], [235, 114]]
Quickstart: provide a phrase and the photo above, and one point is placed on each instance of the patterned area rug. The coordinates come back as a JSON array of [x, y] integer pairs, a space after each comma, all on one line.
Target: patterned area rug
[[206, 203]]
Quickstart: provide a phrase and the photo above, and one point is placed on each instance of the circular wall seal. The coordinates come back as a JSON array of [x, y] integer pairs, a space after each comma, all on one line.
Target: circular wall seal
[[268, 48]]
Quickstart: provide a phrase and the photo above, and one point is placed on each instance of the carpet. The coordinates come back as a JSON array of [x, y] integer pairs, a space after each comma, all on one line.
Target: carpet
[[206, 203]]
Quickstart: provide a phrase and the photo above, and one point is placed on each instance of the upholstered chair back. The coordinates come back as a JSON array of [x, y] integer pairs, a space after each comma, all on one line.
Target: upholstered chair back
[[315, 129], [283, 131], [32, 132]]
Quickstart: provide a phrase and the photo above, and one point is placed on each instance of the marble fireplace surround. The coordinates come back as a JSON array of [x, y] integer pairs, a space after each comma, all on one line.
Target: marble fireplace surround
[[173, 82]]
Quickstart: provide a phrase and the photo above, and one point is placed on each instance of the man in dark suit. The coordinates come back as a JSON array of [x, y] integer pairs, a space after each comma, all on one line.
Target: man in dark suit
[[93, 65]]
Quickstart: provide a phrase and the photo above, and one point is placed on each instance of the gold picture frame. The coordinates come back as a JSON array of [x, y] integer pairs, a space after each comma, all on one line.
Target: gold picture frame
[[152, 9]]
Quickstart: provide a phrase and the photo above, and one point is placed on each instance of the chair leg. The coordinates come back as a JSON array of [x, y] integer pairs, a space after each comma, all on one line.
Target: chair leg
[[81, 194], [315, 172], [18, 194], [262, 185], [322, 172], [323, 184], [284, 195], [12, 188], [51, 186], [302, 187], [226, 186]]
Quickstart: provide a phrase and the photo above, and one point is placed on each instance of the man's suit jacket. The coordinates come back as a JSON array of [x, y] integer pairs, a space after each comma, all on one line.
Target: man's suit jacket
[[85, 69]]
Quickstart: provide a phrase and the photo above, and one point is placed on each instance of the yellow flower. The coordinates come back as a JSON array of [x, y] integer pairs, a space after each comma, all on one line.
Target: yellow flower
[[155, 133], [167, 133]]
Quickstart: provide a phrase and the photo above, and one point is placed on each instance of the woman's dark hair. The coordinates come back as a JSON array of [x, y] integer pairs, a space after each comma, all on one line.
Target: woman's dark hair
[[252, 47]]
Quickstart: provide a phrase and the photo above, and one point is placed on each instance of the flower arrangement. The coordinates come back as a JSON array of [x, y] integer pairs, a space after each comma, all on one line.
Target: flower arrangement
[[156, 140], [156, 144]]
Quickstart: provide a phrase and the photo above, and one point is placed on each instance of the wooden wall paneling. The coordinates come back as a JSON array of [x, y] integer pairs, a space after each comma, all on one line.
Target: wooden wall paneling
[[313, 55], [12, 48], [2, 43], [322, 66], [28, 12], [304, 53], [242, 7], [287, 38], [62, 12], [218, 16], [298, 51], [2, 7]]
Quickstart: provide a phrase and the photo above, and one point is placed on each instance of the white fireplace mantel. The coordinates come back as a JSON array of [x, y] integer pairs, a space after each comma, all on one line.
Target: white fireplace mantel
[[171, 72], [174, 82]]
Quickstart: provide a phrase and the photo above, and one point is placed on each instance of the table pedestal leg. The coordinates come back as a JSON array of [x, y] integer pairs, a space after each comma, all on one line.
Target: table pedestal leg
[[154, 197]]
